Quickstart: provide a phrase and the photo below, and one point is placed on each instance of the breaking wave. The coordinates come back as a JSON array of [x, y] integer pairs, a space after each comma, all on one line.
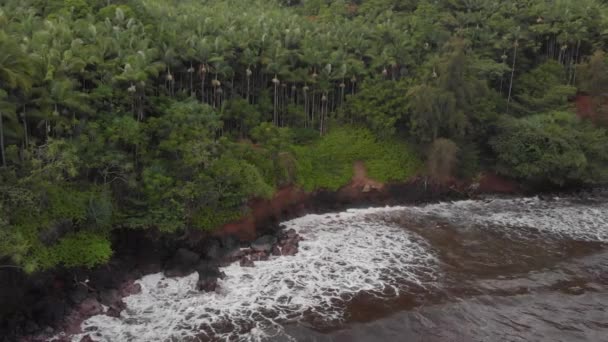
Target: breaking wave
[[343, 255]]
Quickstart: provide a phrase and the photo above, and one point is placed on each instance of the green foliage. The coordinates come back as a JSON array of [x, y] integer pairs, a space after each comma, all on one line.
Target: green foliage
[[77, 8], [380, 105], [554, 148], [543, 88], [186, 131], [210, 218], [272, 137], [138, 113], [115, 11], [328, 163], [77, 249], [240, 115]]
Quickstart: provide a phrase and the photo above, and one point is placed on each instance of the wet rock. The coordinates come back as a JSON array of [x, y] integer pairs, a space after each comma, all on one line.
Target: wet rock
[[89, 307], [229, 244], [246, 262], [276, 250], [113, 300], [60, 339], [86, 338], [208, 274], [49, 310], [79, 294], [129, 288], [104, 279], [264, 243], [150, 268], [212, 249], [109, 297], [182, 263], [233, 256], [116, 309], [291, 233], [289, 250], [114, 312], [259, 256], [206, 284]]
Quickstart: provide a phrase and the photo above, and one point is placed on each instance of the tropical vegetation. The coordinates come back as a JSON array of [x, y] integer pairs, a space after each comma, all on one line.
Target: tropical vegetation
[[172, 114]]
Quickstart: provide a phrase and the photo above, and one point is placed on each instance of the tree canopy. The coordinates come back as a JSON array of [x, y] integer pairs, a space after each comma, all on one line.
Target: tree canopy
[[172, 114]]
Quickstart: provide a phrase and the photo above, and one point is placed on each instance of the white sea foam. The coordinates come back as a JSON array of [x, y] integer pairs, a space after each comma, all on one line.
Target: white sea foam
[[558, 217], [342, 255]]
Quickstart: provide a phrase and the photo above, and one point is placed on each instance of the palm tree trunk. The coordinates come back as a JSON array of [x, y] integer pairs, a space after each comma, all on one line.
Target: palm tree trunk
[[275, 117], [305, 110], [192, 84], [512, 75], [27, 138], [3, 157], [203, 89], [312, 107], [575, 62], [247, 96]]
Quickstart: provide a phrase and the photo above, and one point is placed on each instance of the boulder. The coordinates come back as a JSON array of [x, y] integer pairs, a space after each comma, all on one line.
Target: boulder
[[78, 294], [291, 233], [276, 250], [49, 310], [230, 243], [104, 278], [89, 307], [289, 249], [212, 249], [114, 312], [129, 288], [246, 262], [182, 263], [149, 268], [234, 255], [86, 338], [264, 243], [109, 297], [208, 274], [259, 256]]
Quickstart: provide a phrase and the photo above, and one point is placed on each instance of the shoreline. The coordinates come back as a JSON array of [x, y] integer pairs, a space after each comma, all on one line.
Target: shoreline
[[46, 303]]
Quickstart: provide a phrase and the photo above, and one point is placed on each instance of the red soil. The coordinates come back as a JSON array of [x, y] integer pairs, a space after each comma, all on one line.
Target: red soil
[[292, 198], [584, 108], [263, 210], [587, 109], [493, 183]]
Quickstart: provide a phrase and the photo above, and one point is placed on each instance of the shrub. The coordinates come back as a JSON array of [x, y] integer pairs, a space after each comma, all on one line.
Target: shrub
[[77, 249], [552, 148]]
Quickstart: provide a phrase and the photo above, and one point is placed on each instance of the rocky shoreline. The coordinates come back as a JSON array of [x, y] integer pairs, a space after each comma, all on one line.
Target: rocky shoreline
[[89, 302], [45, 304]]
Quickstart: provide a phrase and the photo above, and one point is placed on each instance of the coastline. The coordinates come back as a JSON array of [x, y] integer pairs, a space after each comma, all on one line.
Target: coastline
[[43, 304]]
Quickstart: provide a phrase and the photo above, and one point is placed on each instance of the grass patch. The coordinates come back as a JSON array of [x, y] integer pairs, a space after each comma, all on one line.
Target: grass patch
[[328, 163]]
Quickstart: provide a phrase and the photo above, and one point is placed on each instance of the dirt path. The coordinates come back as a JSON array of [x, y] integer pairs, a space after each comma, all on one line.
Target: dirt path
[[361, 180]]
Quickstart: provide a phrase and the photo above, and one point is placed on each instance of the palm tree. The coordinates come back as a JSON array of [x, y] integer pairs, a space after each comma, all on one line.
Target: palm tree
[[15, 73], [6, 108]]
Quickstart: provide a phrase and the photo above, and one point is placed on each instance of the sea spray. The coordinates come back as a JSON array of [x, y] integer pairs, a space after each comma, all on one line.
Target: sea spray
[[342, 255]]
